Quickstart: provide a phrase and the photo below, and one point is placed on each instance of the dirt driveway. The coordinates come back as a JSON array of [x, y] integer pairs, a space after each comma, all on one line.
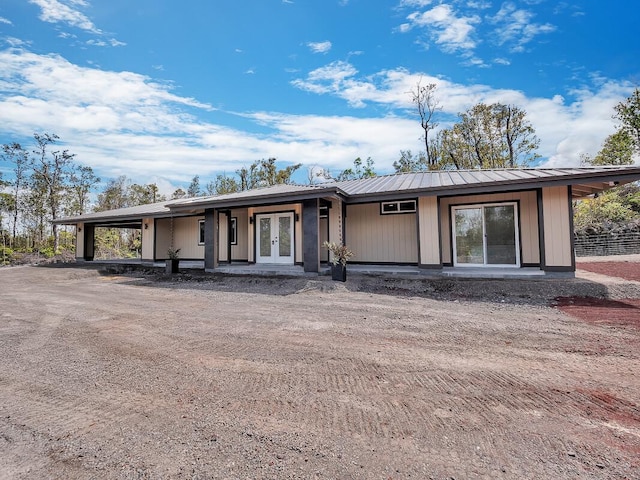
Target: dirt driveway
[[112, 376]]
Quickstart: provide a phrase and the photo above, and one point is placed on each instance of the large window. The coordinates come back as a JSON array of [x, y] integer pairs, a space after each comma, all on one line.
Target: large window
[[486, 235]]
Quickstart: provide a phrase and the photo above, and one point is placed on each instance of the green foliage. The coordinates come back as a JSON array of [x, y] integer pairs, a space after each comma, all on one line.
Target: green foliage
[[359, 170], [488, 136], [615, 208], [194, 187], [628, 112], [616, 150], [6, 255], [408, 163], [222, 185]]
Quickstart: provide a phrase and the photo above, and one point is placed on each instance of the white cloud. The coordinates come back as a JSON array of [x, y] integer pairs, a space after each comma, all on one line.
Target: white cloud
[[516, 27], [565, 130], [448, 30], [126, 123], [5, 21], [54, 11], [415, 3], [319, 47]]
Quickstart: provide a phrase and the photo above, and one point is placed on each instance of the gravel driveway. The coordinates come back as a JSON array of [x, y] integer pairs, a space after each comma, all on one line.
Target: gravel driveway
[[123, 376]]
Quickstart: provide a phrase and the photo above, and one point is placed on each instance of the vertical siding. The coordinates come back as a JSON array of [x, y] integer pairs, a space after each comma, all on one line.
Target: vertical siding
[[336, 222], [80, 240], [381, 238], [148, 238], [186, 233], [557, 235], [323, 236], [240, 252], [223, 237], [429, 233], [528, 218], [163, 237]]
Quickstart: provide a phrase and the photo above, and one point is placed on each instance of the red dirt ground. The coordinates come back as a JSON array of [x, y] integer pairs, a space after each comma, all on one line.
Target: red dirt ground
[[625, 312], [626, 270], [621, 313]]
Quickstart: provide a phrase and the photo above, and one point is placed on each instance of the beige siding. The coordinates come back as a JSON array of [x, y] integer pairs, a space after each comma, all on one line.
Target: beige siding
[[335, 222], [323, 236], [80, 240], [528, 218], [148, 235], [297, 229], [381, 238], [186, 233], [557, 234], [429, 233], [240, 251], [223, 237]]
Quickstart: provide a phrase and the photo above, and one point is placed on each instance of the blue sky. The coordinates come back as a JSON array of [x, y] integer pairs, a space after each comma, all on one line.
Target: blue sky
[[161, 90]]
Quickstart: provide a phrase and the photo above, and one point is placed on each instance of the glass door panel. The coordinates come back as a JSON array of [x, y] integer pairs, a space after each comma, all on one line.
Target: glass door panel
[[500, 233], [284, 240], [274, 238], [469, 248], [265, 237], [486, 235]]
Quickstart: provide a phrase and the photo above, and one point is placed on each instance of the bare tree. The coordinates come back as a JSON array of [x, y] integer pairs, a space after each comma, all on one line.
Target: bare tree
[[423, 97], [51, 177], [14, 153]]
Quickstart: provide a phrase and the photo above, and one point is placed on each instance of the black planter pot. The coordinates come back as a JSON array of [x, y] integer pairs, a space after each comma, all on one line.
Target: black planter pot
[[339, 273], [171, 265]]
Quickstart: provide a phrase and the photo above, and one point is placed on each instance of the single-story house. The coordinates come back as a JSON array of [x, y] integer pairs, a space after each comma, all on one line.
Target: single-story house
[[506, 218]]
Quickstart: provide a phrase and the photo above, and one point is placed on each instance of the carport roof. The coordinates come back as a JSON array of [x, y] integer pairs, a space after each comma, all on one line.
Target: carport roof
[[120, 215]]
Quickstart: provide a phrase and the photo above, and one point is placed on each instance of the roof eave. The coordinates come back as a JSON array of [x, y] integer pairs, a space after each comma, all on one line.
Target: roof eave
[[258, 200]]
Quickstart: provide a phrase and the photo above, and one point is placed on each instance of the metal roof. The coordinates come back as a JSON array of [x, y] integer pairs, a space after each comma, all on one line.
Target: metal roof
[[120, 214], [450, 181], [256, 196], [584, 181]]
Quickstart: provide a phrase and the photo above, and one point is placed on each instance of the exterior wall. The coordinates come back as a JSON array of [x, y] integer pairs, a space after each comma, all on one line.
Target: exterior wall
[[240, 251], [186, 232], [223, 237], [429, 232], [331, 228], [80, 241], [557, 227], [148, 238], [527, 217], [297, 229], [376, 238]]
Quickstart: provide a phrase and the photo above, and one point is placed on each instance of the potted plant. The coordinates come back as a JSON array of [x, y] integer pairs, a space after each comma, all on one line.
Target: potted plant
[[340, 254], [173, 261]]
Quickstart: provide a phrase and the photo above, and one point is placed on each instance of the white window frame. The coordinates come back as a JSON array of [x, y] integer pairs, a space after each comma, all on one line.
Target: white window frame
[[200, 232], [398, 210]]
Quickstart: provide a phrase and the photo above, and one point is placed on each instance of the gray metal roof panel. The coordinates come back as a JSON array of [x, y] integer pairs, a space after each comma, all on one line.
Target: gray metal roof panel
[[270, 191], [139, 211], [441, 179]]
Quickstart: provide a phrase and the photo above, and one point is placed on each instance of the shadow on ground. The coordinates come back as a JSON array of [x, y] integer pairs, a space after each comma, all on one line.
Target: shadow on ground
[[513, 291]]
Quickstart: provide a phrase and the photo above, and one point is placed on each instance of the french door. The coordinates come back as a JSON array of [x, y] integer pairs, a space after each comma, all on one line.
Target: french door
[[486, 235], [274, 238]]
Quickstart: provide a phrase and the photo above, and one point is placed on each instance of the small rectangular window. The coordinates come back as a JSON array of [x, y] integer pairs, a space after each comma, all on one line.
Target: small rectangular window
[[404, 206], [201, 235], [409, 206], [323, 212], [389, 207]]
